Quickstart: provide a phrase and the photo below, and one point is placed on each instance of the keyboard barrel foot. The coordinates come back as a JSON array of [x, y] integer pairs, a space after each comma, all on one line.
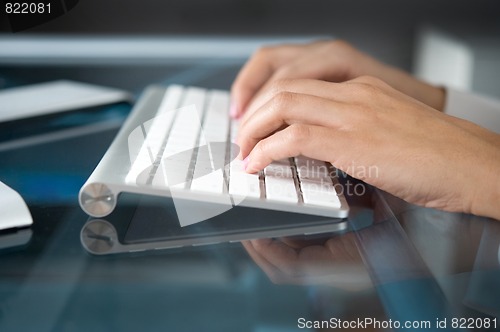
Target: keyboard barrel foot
[[97, 200]]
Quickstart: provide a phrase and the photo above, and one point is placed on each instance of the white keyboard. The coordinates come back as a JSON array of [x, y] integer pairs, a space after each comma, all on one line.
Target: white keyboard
[[183, 149]]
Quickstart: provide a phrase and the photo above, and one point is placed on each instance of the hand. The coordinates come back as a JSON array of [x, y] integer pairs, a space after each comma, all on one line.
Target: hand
[[334, 261], [333, 61], [379, 135]]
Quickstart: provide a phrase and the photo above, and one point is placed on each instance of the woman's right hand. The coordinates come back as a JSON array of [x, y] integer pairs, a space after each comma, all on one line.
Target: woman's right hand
[[330, 60], [372, 132]]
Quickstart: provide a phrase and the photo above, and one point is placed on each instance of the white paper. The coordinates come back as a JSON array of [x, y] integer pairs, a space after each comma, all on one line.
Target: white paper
[[53, 97]]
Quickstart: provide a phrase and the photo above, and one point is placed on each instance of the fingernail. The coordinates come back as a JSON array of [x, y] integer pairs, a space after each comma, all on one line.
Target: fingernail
[[233, 110], [245, 163]]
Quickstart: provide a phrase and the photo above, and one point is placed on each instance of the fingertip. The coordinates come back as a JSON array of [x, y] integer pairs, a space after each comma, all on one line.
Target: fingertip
[[251, 170], [245, 163], [242, 155], [237, 102], [233, 110], [251, 166], [247, 166]]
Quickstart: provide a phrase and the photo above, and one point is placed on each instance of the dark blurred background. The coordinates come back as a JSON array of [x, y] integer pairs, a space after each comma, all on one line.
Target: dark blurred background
[[384, 28]]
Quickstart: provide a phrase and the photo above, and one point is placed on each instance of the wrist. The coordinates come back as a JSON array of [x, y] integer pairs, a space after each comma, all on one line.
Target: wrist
[[426, 93], [434, 96], [491, 208], [494, 206], [486, 201]]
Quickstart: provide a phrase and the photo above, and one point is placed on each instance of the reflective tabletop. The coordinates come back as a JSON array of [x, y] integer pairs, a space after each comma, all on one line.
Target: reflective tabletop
[[395, 264]]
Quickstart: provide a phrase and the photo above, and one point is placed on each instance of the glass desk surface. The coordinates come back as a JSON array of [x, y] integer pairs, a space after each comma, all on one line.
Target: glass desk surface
[[397, 263]]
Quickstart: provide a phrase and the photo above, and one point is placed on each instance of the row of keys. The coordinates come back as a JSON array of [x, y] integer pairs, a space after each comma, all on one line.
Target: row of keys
[[209, 168], [174, 168], [151, 136]]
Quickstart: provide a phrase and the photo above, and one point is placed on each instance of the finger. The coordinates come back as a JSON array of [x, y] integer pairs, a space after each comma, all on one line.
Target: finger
[[331, 61], [301, 242], [275, 274], [294, 263], [305, 67], [255, 73], [303, 86], [344, 248], [287, 109], [313, 65], [277, 253], [347, 92], [316, 142]]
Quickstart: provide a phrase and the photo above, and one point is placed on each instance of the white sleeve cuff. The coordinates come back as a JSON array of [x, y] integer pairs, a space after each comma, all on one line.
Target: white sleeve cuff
[[481, 110]]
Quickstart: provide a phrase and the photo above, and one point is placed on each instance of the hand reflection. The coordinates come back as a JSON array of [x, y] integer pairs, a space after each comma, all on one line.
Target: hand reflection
[[333, 261]]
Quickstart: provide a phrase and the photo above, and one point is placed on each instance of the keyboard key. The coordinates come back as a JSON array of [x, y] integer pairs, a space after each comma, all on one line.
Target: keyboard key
[[279, 170], [281, 189], [172, 170], [211, 183], [235, 124], [311, 169], [170, 101], [318, 187], [245, 185], [216, 123], [195, 97], [320, 193], [280, 185], [208, 174], [241, 183]]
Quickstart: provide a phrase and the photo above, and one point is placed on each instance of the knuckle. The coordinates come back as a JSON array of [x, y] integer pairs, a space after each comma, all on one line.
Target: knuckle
[[368, 86], [286, 71], [264, 51], [260, 148], [370, 80], [279, 86], [282, 100], [368, 90], [339, 44], [298, 133]]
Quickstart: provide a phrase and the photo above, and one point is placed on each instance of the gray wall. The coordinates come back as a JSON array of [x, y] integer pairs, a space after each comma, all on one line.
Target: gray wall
[[384, 28]]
